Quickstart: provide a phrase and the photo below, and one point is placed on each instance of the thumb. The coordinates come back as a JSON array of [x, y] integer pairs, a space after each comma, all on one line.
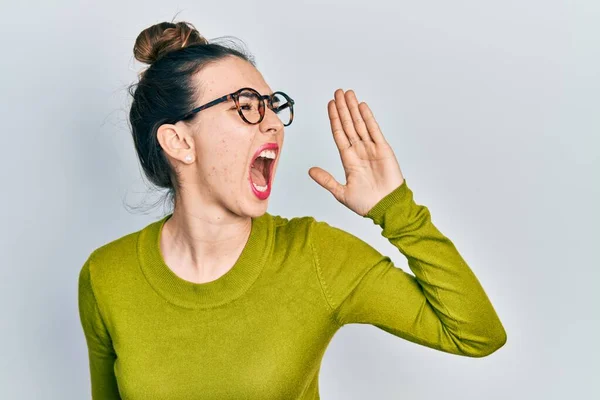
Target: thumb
[[326, 180]]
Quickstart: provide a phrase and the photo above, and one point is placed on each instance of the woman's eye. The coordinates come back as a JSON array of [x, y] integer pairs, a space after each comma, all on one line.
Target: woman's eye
[[244, 107]]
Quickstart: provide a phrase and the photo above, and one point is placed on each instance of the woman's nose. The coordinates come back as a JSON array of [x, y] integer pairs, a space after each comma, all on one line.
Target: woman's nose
[[271, 120]]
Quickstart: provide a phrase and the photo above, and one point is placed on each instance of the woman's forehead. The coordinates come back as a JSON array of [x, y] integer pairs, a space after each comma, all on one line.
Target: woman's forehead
[[228, 75]]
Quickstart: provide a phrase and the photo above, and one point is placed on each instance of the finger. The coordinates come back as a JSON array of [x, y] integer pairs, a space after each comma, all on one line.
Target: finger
[[371, 123], [345, 117], [326, 180], [336, 127], [357, 119]]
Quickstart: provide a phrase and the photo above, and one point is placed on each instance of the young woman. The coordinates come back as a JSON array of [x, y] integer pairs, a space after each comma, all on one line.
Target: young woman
[[220, 299]]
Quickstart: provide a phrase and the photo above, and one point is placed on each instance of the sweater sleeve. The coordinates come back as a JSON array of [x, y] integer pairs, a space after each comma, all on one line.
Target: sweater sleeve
[[443, 306], [100, 350]]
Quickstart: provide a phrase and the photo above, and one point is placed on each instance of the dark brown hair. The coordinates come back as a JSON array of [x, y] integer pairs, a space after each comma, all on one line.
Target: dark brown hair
[[175, 52]]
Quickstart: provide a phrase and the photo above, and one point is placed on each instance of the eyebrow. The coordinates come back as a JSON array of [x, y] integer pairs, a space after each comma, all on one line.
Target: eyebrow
[[268, 94]]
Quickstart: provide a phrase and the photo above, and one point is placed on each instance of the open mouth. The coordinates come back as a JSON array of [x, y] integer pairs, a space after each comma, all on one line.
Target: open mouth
[[261, 168]]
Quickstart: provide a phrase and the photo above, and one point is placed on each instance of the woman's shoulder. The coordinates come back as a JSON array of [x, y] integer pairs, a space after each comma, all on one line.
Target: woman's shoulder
[[116, 248], [292, 224], [113, 260]]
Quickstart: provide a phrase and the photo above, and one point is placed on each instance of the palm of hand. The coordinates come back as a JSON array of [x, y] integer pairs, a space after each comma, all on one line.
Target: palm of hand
[[369, 163]]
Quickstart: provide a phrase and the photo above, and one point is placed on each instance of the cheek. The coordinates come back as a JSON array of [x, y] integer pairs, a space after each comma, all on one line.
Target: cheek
[[228, 146], [227, 163]]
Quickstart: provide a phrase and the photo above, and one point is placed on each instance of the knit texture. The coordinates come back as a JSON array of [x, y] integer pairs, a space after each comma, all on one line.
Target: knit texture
[[260, 330]]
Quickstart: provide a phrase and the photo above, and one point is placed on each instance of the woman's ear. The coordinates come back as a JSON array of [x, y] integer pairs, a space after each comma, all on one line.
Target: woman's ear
[[177, 142]]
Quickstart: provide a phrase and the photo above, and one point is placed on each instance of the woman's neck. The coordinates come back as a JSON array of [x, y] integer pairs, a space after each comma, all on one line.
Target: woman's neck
[[201, 249]]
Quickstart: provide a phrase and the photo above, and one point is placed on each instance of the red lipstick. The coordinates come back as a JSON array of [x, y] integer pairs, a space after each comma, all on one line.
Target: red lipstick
[[267, 192]]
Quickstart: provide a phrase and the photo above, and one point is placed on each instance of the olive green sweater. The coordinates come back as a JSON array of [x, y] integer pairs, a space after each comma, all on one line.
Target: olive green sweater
[[260, 330]]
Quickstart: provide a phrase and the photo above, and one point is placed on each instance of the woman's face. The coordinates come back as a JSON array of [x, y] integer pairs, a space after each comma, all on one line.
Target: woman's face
[[222, 145]]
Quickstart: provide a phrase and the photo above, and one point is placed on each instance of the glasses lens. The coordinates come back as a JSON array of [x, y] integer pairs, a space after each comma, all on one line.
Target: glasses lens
[[250, 105], [282, 107]]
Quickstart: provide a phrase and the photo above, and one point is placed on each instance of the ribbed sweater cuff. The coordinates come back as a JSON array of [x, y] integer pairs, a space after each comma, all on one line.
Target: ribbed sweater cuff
[[399, 195]]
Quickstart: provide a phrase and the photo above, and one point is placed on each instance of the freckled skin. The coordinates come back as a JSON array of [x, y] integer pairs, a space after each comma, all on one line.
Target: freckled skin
[[221, 143]]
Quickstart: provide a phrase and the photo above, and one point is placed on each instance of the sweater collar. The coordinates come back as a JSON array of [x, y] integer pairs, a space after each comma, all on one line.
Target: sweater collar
[[226, 288]]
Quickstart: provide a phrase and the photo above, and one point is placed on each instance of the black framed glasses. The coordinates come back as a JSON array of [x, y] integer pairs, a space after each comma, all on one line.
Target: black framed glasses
[[251, 106]]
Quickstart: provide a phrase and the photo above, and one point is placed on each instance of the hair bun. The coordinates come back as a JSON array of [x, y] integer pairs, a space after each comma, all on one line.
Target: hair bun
[[159, 39]]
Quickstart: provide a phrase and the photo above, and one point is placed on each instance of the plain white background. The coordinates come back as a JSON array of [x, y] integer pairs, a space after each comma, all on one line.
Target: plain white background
[[492, 108]]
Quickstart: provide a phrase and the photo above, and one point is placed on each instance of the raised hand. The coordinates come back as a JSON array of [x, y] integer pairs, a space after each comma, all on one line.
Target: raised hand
[[371, 168]]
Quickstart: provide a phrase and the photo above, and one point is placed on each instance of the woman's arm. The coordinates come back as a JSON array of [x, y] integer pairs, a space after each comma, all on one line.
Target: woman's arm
[[443, 306], [100, 350]]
